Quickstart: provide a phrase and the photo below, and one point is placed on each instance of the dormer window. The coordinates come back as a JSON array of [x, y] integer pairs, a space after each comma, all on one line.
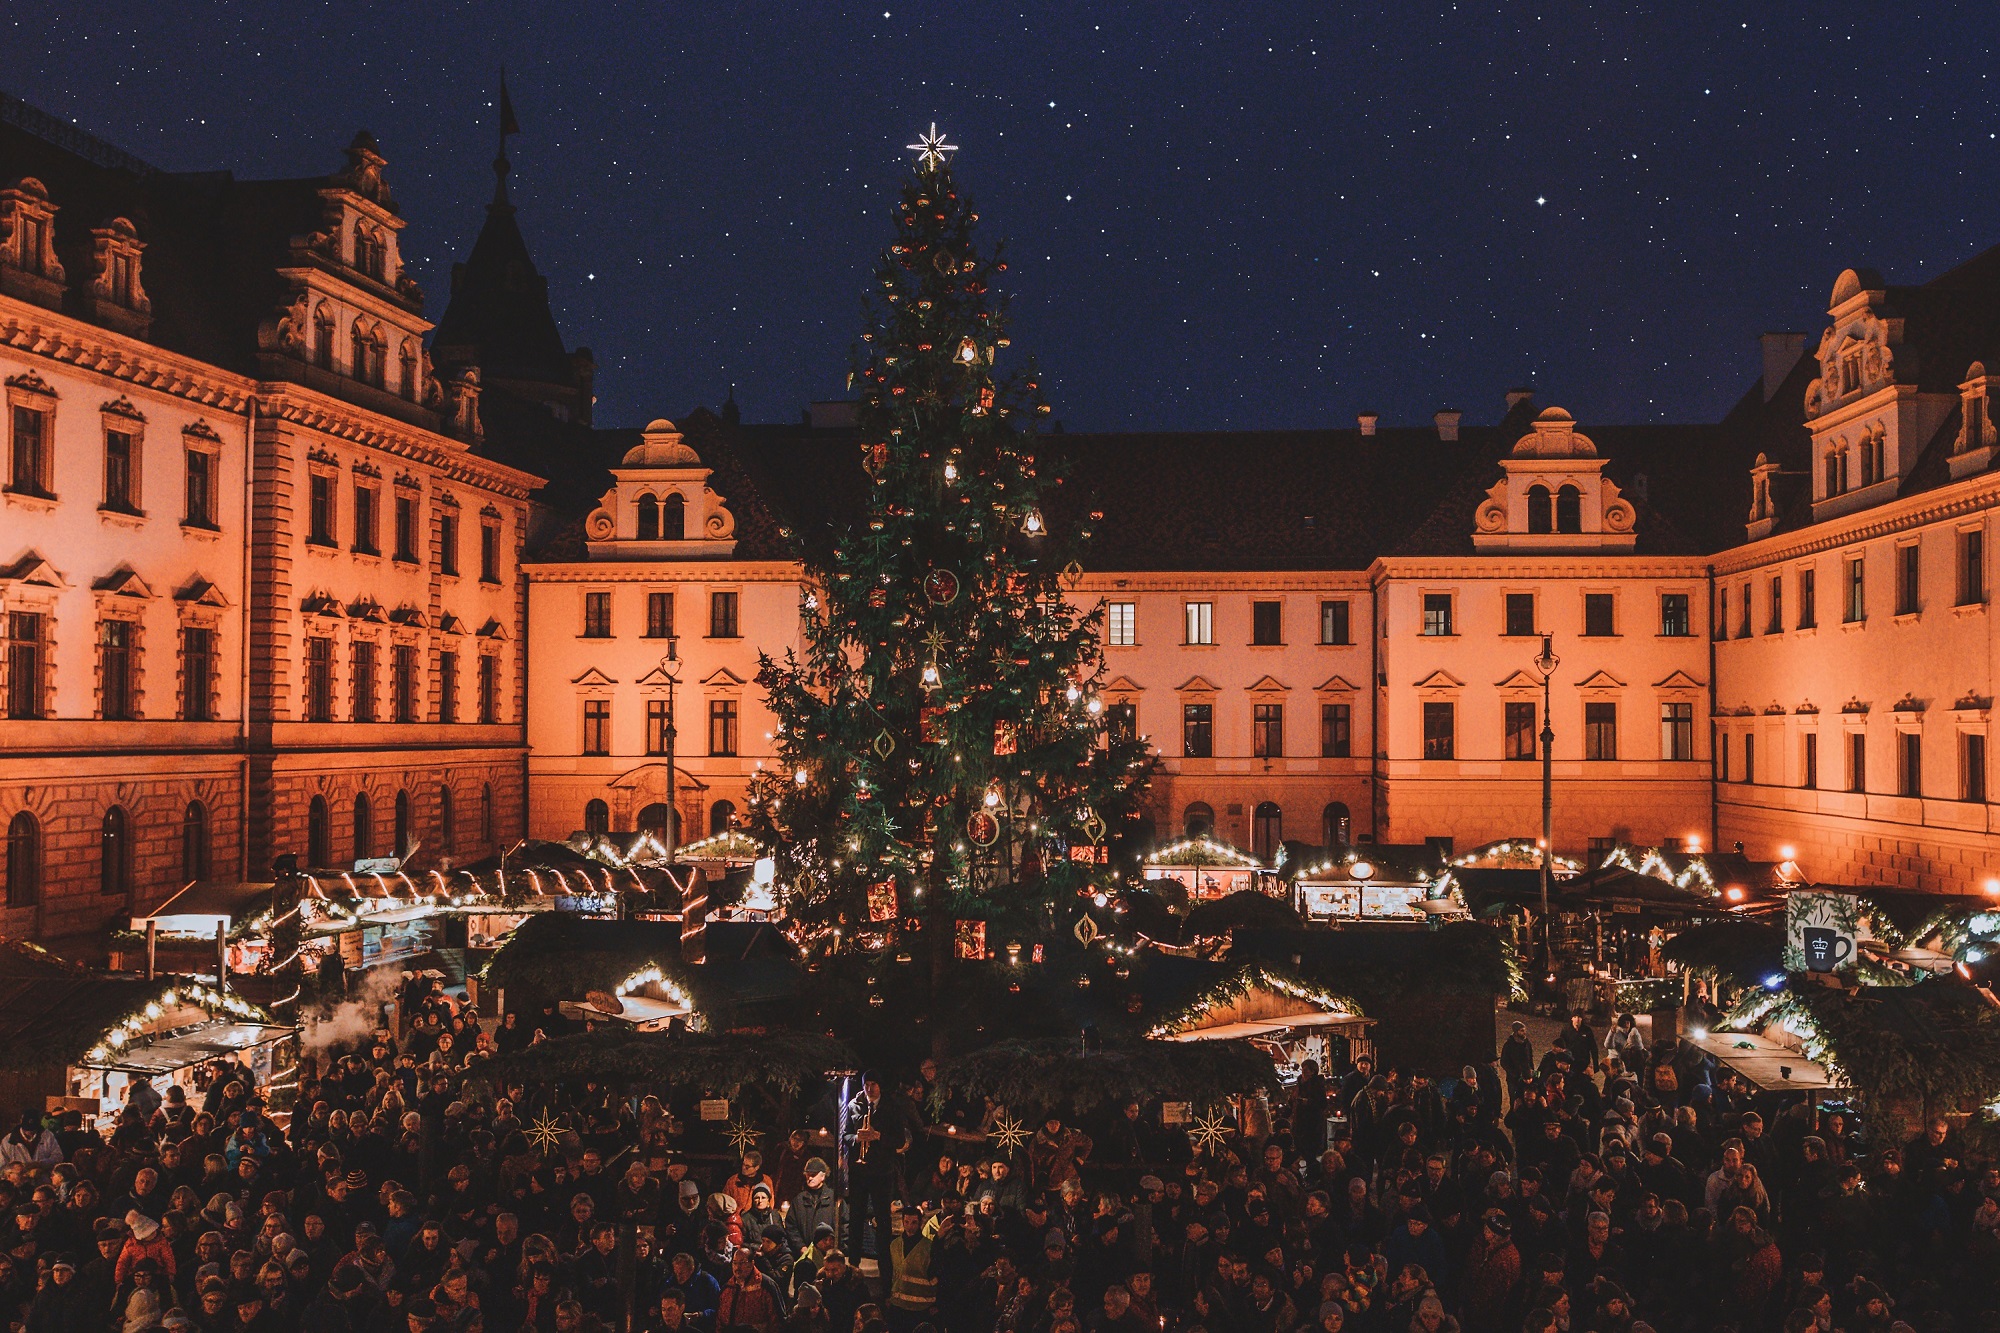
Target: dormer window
[[371, 252], [33, 244], [673, 519], [1541, 509], [1850, 371], [649, 519], [1976, 425], [27, 243], [323, 338], [1569, 510]]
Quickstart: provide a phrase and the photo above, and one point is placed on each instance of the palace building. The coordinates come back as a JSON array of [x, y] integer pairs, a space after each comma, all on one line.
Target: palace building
[[286, 569]]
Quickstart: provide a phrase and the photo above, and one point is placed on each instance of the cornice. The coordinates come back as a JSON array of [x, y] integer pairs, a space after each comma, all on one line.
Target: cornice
[[1952, 500], [329, 416], [72, 342], [1290, 580], [690, 571], [1500, 565]]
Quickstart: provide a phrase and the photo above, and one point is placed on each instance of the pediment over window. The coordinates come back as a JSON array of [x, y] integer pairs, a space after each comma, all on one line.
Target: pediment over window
[[1270, 685], [1679, 680], [369, 610], [407, 615], [322, 605], [722, 678], [1600, 680], [1335, 685], [493, 629], [1195, 685], [593, 676], [124, 582], [1122, 685], [1519, 680], [1440, 680], [200, 592], [657, 676], [450, 624], [34, 570]]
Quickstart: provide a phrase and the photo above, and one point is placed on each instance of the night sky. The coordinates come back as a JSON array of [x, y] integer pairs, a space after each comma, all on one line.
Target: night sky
[[1220, 215]]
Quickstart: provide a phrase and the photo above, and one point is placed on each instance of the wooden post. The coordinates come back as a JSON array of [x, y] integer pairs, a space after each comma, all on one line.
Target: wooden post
[[152, 945], [221, 956]]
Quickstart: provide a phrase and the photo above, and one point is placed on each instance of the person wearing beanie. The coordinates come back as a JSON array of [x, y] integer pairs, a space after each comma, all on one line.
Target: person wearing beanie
[[813, 1206], [144, 1239]]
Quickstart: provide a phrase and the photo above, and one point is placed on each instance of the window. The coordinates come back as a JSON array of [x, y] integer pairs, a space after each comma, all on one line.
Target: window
[[1437, 613], [1909, 575], [368, 357], [1749, 756], [114, 853], [1674, 619], [1267, 830], [721, 817], [722, 618], [1201, 622], [365, 498], [1335, 623], [673, 519], [447, 822], [1520, 615], [320, 509], [1121, 720], [1872, 466], [1198, 731], [1743, 620], [364, 827], [1440, 726], [117, 678], [319, 837], [24, 860], [489, 552], [411, 381], [400, 847], [660, 821], [1721, 613], [1808, 598], [1857, 761], [447, 686], [1676, 731], [722, 726], [659, 727], [1600, 731], [1910, 763], [121, 479], [1972, 567], [194, 843], [1121, 624], [596, 817], [1267, 622], [1335, 824], [27, 665], [1775, 622], [197, 674], [489, 689], [323, 338], [361, 673], [448, 544], [1336, 731], [403, 681], [1810, 761], [406, 528], [1541, 509], [1599, 614], [200, 489], [597, 726], [1857, 590], [30, 473], [1721, 755], [370, 253], [649, 519], [319, 680], [1569, 509], [597, 615], [1836, 471], [1972, 766], [1520, 726], [1267, 731], [659, 615], [1198, 820]]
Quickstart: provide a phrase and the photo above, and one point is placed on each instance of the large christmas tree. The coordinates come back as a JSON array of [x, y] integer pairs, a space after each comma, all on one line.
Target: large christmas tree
[[945, 769]]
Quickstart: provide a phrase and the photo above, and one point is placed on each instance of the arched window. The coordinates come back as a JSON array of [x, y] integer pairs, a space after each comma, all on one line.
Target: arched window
[[364, 827], [1541, 509], [596, 818], [357, 350], [194, 842], [447, 823], [24, 860], [323, 337], [720, 816], [1569, 510], [1198, 820], [657, 820], [486, 814], [1267, 831], [319, 835], [402, 847], [1335, 825], [673, 519], [649, 519], [114, 853], [412, 380]]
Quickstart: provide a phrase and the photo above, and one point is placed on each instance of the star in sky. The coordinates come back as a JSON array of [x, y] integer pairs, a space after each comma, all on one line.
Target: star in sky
[[931, 149]]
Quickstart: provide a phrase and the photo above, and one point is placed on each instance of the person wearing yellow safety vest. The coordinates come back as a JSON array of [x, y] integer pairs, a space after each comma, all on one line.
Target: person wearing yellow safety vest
[[913, 1287]]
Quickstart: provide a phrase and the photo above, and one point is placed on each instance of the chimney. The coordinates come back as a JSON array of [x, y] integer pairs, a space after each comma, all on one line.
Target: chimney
[[1367, 422], [1447, 424], [1781, 352], [1524, 393]]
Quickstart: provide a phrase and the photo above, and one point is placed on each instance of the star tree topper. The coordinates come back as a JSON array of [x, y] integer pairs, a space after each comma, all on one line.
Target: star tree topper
[[931, 149]]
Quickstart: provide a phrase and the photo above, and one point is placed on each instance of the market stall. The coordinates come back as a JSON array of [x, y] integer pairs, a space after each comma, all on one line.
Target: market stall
[[1207, 869]]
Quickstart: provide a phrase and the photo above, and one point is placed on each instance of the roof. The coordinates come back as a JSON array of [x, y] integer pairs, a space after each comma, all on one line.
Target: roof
[[53, 1012], [499, 315]]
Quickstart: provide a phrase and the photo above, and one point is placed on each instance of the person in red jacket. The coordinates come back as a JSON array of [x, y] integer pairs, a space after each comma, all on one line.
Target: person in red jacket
[[751, 1299]]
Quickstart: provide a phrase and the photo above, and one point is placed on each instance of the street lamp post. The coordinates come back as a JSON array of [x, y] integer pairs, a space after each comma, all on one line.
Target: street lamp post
[[670, 667], [1546, 663]]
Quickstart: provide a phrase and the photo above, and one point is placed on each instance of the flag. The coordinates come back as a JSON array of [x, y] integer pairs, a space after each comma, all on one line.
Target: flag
[[508, 125]]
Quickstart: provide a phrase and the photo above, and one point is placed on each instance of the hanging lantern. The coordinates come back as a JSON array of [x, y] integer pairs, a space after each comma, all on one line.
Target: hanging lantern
[[968, 352], [931, 679], [1031, 523]]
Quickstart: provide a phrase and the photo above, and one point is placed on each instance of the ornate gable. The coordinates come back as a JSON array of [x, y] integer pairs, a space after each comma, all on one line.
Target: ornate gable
[[661, 505], [1554, 496]]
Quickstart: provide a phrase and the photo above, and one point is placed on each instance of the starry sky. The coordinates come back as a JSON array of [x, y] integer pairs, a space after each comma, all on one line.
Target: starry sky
[[1219, 215]]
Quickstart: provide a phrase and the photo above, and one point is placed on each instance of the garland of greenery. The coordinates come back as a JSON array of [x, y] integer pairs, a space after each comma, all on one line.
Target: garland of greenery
[[1233, 985]]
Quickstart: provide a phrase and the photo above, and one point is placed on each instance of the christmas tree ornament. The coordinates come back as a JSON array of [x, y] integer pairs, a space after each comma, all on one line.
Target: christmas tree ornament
[[545, 1133], [982, 828], [744, 1136], [1209, 1133], [968, 352], [941, 586], [1008, 1134], [885, 744]]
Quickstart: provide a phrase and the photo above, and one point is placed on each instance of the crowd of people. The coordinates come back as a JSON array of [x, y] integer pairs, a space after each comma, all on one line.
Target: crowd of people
[[1595, 1186]]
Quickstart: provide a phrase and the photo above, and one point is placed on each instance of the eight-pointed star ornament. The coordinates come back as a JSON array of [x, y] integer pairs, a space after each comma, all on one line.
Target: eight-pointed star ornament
[[931, 149], [1008, 1132]]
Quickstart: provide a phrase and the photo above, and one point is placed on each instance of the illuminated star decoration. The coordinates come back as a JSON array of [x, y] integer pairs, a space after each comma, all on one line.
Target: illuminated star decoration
[[743, 1136], [1007, 1132], [931, 149], [545, 1133], [1210, 1132]]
